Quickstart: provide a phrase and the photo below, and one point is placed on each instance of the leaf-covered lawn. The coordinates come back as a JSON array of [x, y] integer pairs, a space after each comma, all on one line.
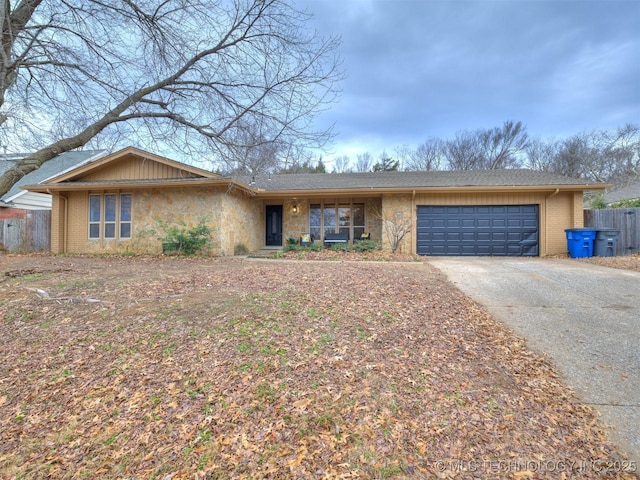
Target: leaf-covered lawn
[[218, 368]]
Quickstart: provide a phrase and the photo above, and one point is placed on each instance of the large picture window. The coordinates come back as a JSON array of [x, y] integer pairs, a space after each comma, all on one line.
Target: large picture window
[[110, 216], [345, 217]]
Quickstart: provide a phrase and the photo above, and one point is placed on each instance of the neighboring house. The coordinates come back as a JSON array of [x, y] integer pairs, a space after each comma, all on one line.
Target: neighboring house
[[125, 200], [629, 193], [16, 198]]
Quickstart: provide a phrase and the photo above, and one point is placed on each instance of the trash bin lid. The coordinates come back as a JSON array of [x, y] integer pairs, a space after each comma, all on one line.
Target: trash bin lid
[[608, 232]]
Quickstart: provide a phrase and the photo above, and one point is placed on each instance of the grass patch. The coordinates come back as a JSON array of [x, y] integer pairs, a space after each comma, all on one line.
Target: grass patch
[[216, 369]]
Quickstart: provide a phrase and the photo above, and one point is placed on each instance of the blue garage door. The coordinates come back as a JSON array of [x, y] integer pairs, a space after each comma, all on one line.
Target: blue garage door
[[507, 230]]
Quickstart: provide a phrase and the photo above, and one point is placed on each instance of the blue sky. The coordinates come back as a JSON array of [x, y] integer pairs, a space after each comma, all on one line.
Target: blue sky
[[429, 68]]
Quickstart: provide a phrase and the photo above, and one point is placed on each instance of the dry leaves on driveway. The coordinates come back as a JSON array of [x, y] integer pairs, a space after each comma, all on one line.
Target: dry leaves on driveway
[[215, 368]]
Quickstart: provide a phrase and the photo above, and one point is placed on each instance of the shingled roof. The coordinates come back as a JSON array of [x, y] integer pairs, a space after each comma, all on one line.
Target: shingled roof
[[57, 165], [630, 192], [409, 180]]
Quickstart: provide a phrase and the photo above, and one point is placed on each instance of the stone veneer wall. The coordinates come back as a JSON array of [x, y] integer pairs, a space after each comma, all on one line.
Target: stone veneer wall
[[233, 216], [295, 224], [392, 205]]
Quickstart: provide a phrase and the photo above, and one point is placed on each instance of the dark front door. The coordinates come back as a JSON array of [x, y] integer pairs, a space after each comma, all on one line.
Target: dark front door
[[274, 225]]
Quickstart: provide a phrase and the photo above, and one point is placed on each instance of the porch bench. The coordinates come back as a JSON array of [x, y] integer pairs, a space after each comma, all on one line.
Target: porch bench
[[333, 238]]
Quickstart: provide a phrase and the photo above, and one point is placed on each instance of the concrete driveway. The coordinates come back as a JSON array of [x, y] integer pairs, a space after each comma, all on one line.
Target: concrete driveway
[[585, 317]]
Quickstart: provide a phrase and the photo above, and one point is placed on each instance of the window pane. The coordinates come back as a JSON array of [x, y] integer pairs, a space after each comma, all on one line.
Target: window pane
[[329, 218], [109, 230], [314, 216], [345, 230], [94, 230], [125, 207], [358, 215], [315, 233], [344, 216], [109, 208], [357, 231], [125, 230], [94, 208]]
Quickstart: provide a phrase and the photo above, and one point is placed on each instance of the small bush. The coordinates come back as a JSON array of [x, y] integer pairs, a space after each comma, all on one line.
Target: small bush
[[292, 241], [365, 246], [188, 241], [635, 203], [315, 247], [598, 202], [240, 249]]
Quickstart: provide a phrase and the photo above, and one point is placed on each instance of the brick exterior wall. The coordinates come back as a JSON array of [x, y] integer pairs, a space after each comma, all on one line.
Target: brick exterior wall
[[12, 213]]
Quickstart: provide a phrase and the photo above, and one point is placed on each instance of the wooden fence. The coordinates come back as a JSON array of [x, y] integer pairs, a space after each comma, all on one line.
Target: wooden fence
[[29, 234], [623, 219]]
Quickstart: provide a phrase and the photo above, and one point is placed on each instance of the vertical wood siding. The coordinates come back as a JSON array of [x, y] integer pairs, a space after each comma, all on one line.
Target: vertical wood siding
[[29, 234], [134, 168], [623, 219]]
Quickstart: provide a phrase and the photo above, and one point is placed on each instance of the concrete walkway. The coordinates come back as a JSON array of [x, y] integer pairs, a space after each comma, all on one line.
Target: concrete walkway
[[585, 317]]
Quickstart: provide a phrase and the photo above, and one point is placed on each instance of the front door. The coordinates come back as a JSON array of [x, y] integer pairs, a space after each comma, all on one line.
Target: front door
[[274, 225]]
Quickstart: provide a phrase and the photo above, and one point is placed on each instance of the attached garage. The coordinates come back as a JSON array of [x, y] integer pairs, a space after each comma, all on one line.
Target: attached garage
[[500, 230]]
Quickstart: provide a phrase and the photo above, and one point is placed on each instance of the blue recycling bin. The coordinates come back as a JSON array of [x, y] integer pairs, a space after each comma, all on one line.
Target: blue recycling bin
[[580, 242]]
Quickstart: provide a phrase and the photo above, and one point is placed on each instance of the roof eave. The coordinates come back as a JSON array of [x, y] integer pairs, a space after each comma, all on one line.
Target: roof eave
[[134, 184], [454, 189]]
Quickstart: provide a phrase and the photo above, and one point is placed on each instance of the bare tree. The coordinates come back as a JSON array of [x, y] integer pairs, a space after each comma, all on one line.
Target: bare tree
[[541, 155], [504, 147], [464, 152], [364, 162], [624, 151], [180, 74], [252, 153], [342, 164], [428, 156], [600, 155], [396, 226], [488, 149]]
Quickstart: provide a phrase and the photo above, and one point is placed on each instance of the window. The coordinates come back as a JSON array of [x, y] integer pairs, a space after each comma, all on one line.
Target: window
[[125, 215], [110, 216], [108, 211], [315, 221], [329, 217], [94, 216], [336, 218]]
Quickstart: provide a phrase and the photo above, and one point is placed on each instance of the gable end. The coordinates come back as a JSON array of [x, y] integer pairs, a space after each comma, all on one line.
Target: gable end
[[133, 167]]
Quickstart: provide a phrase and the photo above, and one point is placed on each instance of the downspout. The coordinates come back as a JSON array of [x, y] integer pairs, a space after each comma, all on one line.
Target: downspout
[[546, 218]]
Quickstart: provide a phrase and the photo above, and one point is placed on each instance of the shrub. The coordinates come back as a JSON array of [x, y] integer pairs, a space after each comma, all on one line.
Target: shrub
[[240, 249], [635, 203], [598, 202], [292, 241], [365, 246], [315, 247], [188, 240]]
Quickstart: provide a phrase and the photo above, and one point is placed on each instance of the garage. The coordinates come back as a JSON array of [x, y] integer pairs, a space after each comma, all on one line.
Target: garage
[[478, 230]]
